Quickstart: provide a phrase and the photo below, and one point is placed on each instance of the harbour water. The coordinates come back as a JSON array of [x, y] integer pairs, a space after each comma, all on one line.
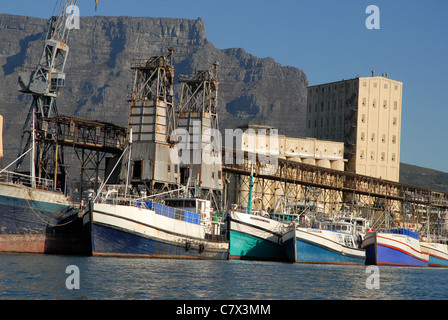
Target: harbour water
[[45, 277]]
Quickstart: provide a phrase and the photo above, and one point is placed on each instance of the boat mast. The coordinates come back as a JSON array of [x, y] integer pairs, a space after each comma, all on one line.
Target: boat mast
[[33, 152], [129, 164], [251, 184]]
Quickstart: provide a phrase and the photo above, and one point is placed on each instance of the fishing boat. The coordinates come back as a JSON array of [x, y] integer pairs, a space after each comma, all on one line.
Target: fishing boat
[[255, 237], [332, 242], [398, 247], [35, 218], [435, 244], [142, 227], [437, 250]]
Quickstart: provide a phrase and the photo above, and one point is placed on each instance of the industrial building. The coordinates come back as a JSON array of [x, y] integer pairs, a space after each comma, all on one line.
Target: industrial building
[[265, 144], [365, 114]]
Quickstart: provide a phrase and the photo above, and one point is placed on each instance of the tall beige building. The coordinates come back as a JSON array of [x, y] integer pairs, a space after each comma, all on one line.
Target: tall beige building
[[364, 113]]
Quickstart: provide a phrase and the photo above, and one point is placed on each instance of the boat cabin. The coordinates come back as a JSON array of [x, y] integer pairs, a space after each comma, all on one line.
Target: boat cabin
[[340, 226], [195, 205], [361, 225]]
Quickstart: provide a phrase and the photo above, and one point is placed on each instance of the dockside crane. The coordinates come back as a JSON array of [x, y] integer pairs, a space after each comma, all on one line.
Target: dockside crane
[[44, 84]]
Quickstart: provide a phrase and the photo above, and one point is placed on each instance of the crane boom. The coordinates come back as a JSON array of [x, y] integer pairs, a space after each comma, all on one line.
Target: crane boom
[[49, 77], [44, 84]]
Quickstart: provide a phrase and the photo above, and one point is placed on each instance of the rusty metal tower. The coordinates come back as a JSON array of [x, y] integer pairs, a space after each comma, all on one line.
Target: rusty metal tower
[[151, 121], [198, 116]]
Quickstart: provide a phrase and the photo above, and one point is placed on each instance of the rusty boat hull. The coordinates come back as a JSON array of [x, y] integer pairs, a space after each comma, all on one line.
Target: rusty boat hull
[[34, 220]]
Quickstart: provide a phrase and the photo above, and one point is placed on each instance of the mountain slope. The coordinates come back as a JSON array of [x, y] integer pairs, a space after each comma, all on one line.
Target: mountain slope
[[423, 177], [252, 89]]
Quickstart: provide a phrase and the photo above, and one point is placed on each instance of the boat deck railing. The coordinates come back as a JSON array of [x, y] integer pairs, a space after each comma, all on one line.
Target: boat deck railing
[[26, 180], [117, 195]]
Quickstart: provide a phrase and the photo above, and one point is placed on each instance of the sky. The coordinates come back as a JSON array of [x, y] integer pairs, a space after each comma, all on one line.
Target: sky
[[329, 41]]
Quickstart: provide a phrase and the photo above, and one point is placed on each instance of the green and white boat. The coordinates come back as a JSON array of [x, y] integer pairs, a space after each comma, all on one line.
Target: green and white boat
[[255, 237]]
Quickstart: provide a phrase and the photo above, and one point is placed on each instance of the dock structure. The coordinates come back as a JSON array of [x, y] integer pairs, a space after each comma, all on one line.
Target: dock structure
[[334, 190], [91, 141], [289, 180]]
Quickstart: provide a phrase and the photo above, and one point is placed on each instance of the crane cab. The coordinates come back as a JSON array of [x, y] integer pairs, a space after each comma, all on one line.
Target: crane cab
[[57, 82]]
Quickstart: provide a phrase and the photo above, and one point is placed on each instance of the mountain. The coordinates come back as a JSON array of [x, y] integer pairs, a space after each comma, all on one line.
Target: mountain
[[423, 177], [252, 89]]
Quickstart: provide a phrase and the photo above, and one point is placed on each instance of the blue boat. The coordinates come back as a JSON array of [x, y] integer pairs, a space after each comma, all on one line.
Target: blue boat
[[438, 252], [399, 247], [35, 218], [319, 245]]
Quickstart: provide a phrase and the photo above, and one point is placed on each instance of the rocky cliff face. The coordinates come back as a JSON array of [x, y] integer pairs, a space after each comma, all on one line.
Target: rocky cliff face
[[252, 90]]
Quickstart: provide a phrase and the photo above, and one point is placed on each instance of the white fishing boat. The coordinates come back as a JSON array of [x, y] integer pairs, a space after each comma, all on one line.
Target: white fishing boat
[[141, 227], [255, 237], [435, 244], [333, 242], [437, 250]]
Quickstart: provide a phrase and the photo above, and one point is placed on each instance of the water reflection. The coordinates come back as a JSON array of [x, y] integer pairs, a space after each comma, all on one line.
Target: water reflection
[[43, 277]]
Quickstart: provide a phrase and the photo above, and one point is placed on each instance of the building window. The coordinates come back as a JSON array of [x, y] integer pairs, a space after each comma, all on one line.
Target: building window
[[394, 121], [396, 87], [363, 102], [373, 137], [385, 86], [364, 84], [394, 139], [375, 84], [362, 136], [385, 104], [363, 118], [383, 138], [393, 157], [395, 105], [372, 155], [374, 103], [361, 154], [383, 156]]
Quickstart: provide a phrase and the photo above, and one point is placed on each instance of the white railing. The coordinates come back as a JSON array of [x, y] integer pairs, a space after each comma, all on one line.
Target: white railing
[[26, 180], [116, 194]]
